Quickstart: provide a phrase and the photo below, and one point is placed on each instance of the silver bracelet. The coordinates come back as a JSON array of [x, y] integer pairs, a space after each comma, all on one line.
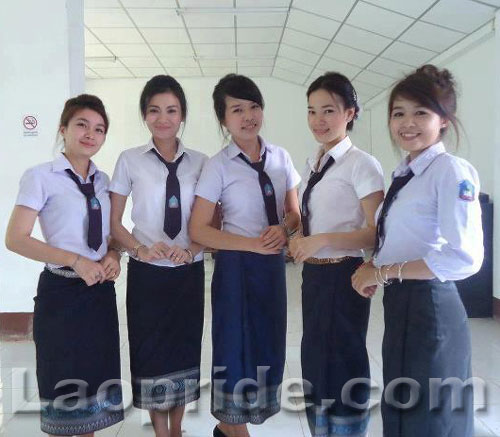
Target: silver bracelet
[[400, 271], [380, 282], [387, 268]]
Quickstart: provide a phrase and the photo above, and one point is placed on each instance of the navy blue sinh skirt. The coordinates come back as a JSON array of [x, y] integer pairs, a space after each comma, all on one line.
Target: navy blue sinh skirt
[[335, 322], [165, 326], [427, 340], [75, 329], [248, 335]]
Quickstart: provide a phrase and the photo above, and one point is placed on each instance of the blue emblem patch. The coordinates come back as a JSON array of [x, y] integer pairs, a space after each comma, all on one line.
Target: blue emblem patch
[[94, 203], [173, 202], [466, 190], [268, 190]]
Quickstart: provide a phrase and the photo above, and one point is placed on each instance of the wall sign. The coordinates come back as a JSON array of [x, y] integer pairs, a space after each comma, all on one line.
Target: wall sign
[[30, 126]]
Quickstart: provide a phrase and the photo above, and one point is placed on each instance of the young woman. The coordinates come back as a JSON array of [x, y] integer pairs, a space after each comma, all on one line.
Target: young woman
[[165, 279], [255, 182], [76, 322], [341, 189], [428, 235]]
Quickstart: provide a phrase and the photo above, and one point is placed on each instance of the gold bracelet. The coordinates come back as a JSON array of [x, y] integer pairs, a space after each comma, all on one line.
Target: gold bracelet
[[135, 250], [191, 255]]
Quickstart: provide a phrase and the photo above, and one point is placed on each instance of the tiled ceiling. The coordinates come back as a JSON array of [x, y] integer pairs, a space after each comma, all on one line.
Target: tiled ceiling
[[373, 42]]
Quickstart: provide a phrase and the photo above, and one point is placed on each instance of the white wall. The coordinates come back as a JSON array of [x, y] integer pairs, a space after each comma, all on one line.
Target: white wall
[[285, 117], [34, 79], [477, 80]]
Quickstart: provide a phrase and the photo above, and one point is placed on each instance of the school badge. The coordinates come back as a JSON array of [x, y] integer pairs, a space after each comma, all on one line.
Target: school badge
[[268, 190], [466, 190], [173, 202], [94, 203]]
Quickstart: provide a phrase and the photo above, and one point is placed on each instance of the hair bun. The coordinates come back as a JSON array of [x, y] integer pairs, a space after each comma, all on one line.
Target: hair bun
[[442, 78]]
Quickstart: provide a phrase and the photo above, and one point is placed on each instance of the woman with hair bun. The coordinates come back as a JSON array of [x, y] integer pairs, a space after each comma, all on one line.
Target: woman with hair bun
[[165, 277], [341, 190], [75, 325], [429, 234]]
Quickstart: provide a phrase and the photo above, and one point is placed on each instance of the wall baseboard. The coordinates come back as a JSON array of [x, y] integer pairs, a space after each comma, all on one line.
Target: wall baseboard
[[496, 308], [16, 326]]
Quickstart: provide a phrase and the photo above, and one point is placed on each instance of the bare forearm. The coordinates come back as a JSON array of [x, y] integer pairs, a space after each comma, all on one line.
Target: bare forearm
[[195, 248], [211, 237], [37, 250], [292, 220], [359, 239], [123, 237]]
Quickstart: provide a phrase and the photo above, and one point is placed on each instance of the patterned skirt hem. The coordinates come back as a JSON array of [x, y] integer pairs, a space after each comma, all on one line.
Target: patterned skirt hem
[[253, 418], [166, 405], [76, 429]]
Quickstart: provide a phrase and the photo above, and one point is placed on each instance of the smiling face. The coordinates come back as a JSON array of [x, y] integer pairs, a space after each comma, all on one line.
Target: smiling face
[[414, 127], [164, 116], [327, 117], [243, 119], [85, 133]]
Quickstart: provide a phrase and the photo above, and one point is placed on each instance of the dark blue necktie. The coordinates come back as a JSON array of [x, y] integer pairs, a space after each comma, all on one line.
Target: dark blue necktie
[[314, 178], [94, 233], [266, 187], [173, 214]]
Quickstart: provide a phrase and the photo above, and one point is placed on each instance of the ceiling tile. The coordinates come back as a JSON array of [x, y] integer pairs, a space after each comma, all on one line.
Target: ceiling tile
[[390, 68], [262, 3], [126, 35], [294, 53], [89, 38], [256, 62], [156, 18], [180, 50], [96, 50], [216, 36], [159, 36], [366, 89], [149, 3], [106, 18], [375, 79], [408, 7], [275, 19], [218, 71], [179, 62], [219, 50], [255, 71], [495, 3], [289, 76], [107, 73], [130, 50], [378, 20], [209, 20], [184, 72], [336, 9], [138, 62], [259, 34], [407, 54], [89, 74], [96, 4], [362, 39], [462, 15], [296, 67], [101, 63], [349, 55], [206, 3], [147, 72], [328, 64], [256, 50], [431, 37], [303, 41], [209, 63], [312, 24]]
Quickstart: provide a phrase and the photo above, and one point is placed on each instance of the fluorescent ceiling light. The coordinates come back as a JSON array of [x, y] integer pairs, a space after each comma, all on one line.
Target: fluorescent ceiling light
[[101, 58], [236, 11]]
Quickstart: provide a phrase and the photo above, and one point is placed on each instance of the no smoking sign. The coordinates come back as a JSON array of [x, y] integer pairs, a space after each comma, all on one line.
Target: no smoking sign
[[30, 124]]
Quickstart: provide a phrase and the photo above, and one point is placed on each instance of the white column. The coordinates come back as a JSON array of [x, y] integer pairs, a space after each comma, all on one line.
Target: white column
[[496, 163], [41, 59]]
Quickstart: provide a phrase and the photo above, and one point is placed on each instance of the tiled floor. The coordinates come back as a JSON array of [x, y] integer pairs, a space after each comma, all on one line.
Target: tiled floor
[[18, 387]]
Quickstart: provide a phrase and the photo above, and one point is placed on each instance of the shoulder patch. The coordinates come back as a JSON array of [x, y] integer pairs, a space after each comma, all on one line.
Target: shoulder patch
[[466, 190]]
